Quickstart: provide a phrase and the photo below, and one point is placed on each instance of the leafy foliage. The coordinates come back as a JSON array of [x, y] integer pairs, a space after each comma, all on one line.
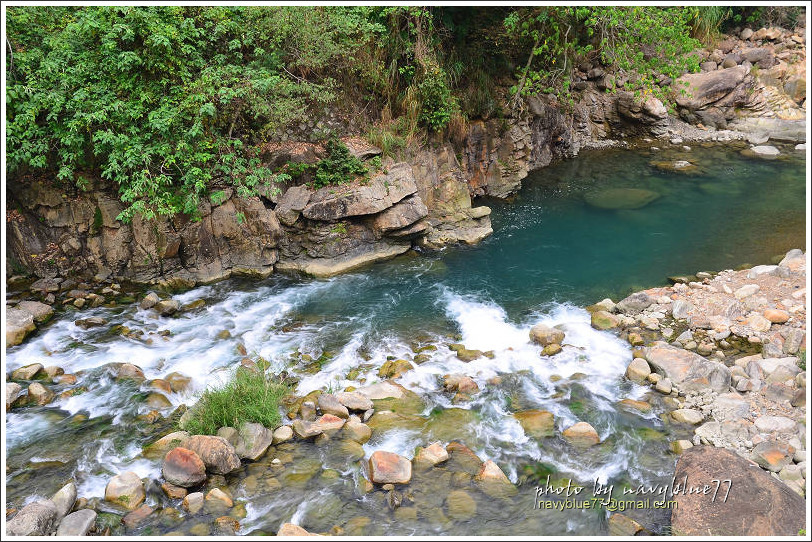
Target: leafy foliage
[[338, 167], [249, 397]]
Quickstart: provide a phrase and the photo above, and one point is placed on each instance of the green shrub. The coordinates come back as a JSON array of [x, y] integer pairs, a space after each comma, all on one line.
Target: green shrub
[[248, 397], [338, 167]]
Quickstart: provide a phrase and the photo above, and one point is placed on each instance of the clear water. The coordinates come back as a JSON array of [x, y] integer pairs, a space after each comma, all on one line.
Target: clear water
[[550, 255]]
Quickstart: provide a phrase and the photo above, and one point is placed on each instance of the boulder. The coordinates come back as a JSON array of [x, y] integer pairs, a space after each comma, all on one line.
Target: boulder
[[87, 323], [635, 303], [282, 434], [401, 215], [762, 151], [545, 335], [604, 320], [331, 203], [167, 307], [36, 519], [149, 301], [756, 505], [39, 394], [772, 455], [460, 505], [775, 424], [687, 415], [183, 468], [638, 370], [13, 392], [289, 529], [39, 311], [431, 455], [690, 371], [28, 372], [159, 448], [357, 431], [621, 525], [19, 324], [582, 435], [64, 500], [128, 371], [291, 204], [354, 400], [620, 198], [217, 454], [125, 489], [389, 468], [253, 439], [329, 404], [704, 89], [536, 423], [193, 502], [78, 523]]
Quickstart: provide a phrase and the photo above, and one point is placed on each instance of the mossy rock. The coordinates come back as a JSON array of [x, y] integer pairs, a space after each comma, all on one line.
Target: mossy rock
[[451, 424]]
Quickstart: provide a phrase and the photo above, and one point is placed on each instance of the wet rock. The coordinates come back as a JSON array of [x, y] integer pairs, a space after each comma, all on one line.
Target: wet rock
[[137, 516], [184, 468], [308, 411], [687, 415], [282, 434], [157, 401], [757, 504], [149, 301], [460, 505], [159, 448], [357, 431], [289, 529], [35, 519], [253, 440], [174, 492], [640, 406], [79, 523], [129, 371], [461, 383], [39, 394], [551, 350], [125, 489], [762, 151], [394, 368], [39, 311], [167, 307], [217, 454], [638, 370], [178, 382], [13, 392], [389, 468], [219, 497], [64, 500], [581, 435], [536, 423], [621, 525], [93, 321], [193, 502], [19, 324], [664, 386], [431, 455], [29, 372], [688, 370], [679, 446], [329, 404], [620, 198], [604, 320], [383, 390], [544, 335], [354, 400]]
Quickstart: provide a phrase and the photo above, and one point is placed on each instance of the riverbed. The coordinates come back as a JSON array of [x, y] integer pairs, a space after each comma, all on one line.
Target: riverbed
[[552, 253]]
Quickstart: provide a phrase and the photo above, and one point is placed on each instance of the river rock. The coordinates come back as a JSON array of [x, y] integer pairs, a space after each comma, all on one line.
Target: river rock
[[282, 434], [289, 529], [40, 311], [604, 320], [159, 448], [28, 372], [218, 496], [64, 500], [357, 431], [389, 468], [620, 198], [13, 392], [638, 370], [383, 390], [36, 519], [183, 468], [174, 492], [78, 523], [149, 301], [640, 406], [635, 303], [582, 435], [39, 394], [772, 455], [130, 372], [193, 502], [178, 382], [536, 423], [125, 489], [19, 324], [460, 505], [431, 455], [354, 400], [167, 307], [776, 316], [664, 385], [762, 151], [687, 415], [545, 335], [217, 454], [622, 525], [329, 404], [93, 321], [690, 371], [253, 440], [757, 504]]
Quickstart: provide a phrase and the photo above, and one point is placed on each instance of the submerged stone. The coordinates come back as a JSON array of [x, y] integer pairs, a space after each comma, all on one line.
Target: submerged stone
[[620, 198]]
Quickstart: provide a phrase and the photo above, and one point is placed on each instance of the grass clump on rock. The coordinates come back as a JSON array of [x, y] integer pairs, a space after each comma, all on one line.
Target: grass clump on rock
[[248, 397]]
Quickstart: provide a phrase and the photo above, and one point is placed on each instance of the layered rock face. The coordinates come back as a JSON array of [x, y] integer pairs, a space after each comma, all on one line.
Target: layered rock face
[[297, 228]]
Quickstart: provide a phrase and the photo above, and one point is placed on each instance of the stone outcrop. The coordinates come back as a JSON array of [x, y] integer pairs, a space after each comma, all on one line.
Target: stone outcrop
[[755, 505]]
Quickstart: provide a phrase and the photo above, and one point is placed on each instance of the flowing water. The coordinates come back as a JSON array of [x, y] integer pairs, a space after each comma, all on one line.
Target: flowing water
[[551, 254]]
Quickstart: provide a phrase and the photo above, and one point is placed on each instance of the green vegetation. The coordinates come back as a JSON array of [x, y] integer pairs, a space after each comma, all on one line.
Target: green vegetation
[[802, 359], [248, 397], [174, 104]]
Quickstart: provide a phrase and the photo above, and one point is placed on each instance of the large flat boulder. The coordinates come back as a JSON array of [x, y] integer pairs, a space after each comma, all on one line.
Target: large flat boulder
[[716, 87], [19, 323], [690, 371], [756, 505], [402, 214], [382, 192]]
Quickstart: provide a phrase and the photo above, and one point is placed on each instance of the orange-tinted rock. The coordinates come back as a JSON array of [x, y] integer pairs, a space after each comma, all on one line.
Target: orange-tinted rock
[[582, 434], [389, 468], [184, 468]]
